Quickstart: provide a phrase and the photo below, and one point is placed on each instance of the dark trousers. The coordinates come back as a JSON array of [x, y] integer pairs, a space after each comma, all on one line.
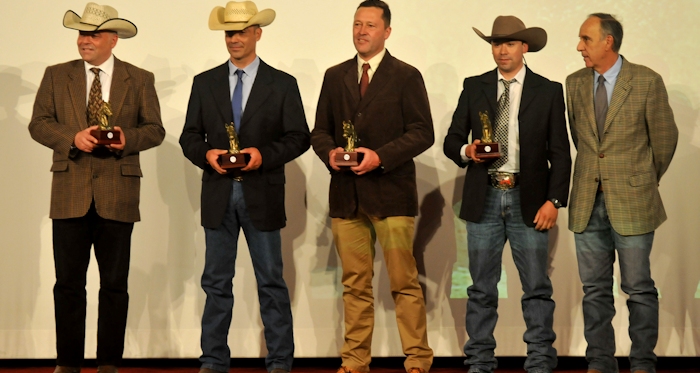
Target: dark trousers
[[72, 240]]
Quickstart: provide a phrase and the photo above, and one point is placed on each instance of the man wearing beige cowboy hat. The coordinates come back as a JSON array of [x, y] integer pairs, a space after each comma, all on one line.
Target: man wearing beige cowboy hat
[[95, 190], [625, 135], [264, 106], [514, 197], [386, 101]]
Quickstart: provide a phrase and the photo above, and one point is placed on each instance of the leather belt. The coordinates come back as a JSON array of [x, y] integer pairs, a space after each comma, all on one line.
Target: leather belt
[[504, 180]]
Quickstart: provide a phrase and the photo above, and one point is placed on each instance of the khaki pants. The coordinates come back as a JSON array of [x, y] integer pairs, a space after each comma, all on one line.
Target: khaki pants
[[354, 239]]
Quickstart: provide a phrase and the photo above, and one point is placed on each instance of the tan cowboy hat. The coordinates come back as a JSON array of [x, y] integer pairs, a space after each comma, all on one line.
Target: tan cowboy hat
[[238, 15], [512, 28], [97, 18]]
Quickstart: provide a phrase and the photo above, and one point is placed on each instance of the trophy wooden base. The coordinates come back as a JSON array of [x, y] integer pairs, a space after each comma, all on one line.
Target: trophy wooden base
[[106, 137], [348, 159], [488, 150], [229, 160]]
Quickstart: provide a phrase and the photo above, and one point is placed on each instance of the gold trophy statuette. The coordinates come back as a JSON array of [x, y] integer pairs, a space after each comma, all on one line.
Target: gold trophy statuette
[[106, 134], [349, 157], [487, 148], [234, 158]]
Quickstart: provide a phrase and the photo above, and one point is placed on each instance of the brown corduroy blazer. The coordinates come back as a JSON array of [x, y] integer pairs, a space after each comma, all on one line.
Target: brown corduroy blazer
[[393, 119], [638, 145], [113, 181]]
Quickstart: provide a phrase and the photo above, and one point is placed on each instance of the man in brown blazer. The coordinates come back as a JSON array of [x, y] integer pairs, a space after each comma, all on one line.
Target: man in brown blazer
[[623, 128], [386, 101], [95, 190]]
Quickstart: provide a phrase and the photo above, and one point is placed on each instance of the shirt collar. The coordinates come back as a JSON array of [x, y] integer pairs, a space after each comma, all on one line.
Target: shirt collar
[[107, 67], [250, 70], [612, 73], [520, 76], [373, 62]]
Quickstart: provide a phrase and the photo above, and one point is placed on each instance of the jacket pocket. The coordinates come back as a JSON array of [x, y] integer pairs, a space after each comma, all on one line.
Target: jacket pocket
[[131, 170], [59, 166], [642, 179]]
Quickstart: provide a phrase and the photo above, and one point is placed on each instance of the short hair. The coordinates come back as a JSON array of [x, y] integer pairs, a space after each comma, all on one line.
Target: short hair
[[386, 15], [609, 25]]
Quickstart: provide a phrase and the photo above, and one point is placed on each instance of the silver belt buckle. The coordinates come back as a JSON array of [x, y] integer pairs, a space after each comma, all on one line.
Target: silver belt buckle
[[503, 180]]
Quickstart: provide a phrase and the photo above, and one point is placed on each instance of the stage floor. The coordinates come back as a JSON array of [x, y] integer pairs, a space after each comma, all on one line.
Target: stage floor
[[330, 365]]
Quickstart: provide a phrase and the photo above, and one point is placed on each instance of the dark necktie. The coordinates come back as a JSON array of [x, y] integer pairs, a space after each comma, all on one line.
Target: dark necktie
[[364, 81], [502, 119], [601, 106], [95, 99], [237, 101]]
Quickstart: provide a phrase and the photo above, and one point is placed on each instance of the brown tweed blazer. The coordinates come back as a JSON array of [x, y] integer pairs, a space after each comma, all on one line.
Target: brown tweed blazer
[[113, 181], [637, 148]]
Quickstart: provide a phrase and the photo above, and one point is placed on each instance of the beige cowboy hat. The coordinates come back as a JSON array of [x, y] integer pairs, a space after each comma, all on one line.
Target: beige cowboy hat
[[512, 28], [97, 18], [238, 15]]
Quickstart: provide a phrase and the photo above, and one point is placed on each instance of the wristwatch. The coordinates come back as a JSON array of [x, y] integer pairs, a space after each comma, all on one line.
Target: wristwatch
[[555, 202]]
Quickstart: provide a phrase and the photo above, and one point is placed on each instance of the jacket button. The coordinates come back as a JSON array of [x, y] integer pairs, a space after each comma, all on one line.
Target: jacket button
[[94, 176], [597, 180], [359, 114], [601, 155]]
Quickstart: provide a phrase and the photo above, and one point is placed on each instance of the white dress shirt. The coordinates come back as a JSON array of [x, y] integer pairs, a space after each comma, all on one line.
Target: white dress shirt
[[106, 73]]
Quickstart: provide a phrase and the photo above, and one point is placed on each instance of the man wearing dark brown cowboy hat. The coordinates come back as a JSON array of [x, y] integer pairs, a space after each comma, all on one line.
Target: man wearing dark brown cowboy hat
[[264, 107], [95, 190], [625, 136], [386, 101], [514, 197]]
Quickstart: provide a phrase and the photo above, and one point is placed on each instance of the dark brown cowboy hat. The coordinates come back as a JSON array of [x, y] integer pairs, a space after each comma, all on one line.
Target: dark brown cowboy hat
[[512, 28]]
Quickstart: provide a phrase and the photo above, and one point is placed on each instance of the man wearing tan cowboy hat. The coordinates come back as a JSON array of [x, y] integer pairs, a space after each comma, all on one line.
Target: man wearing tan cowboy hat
[[514, 197], [625, 136], [386, 101], [264, 106], [95, 190]]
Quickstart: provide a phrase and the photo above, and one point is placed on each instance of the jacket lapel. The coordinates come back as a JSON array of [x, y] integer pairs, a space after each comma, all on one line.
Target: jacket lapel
[[351, 84], [489, 87], [119, 88], [78, 94], [381, 77], [586, 102], [258, 94], [219, 86], [529, 91], [620, 92]]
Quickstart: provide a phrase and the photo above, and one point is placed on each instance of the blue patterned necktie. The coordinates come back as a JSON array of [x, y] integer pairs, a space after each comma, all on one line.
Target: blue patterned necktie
[[502, 119], [237, 101]]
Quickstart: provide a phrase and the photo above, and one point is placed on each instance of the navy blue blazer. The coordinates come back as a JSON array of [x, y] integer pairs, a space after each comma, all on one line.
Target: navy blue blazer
[[273, 122]]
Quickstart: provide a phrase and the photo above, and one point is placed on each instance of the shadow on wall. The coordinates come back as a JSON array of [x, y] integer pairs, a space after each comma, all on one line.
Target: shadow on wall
[[674, 255], [176, 261], [26, 187]]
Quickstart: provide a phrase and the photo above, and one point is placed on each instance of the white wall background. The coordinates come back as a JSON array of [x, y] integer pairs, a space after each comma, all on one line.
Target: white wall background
[[306, 38]]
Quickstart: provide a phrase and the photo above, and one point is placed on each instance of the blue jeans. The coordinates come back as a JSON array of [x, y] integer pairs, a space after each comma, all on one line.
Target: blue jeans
[[219, 269], [595, 250], [502, 220]]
